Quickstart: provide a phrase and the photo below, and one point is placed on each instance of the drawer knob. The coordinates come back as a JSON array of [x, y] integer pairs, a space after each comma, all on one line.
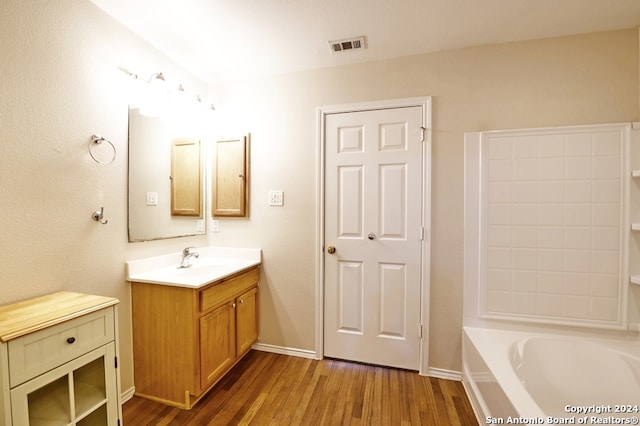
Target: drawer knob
[[70, 340]]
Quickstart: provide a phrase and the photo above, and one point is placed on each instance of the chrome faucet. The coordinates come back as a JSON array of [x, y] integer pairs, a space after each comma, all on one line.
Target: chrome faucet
[[186, 255]]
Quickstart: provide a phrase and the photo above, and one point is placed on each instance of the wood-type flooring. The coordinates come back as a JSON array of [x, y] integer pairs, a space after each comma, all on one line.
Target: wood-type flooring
[[271, 389]]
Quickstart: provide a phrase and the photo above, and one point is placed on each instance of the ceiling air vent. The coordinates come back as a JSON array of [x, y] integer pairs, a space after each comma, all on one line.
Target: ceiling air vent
[[347, 44]]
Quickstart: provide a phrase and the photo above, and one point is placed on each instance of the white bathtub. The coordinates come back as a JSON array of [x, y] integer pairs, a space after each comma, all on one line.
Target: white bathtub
[[536, 376]]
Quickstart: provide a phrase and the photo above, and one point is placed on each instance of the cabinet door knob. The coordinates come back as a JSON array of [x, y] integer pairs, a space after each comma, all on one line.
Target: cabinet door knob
[[70, 340], [241, 301], [233, 305]]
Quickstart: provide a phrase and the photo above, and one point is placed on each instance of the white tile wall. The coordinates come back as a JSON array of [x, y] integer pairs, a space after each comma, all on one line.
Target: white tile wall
[[553, 224]]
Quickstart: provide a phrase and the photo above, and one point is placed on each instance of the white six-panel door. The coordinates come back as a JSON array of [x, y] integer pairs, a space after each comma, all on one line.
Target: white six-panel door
[[373, 236]]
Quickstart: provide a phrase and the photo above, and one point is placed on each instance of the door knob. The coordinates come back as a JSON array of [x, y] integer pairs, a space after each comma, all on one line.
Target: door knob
[[331, 249]]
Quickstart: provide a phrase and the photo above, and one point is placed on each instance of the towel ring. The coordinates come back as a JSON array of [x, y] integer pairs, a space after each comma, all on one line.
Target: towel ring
[[97, 140]]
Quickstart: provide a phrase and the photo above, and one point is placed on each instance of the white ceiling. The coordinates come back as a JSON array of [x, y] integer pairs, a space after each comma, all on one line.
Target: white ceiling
[[231, 39]]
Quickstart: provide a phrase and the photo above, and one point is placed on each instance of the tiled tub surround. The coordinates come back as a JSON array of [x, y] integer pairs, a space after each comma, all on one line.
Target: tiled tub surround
[[552, 224]]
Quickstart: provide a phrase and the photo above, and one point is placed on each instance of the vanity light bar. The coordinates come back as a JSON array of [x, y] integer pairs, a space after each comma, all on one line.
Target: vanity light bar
[[160, 76]]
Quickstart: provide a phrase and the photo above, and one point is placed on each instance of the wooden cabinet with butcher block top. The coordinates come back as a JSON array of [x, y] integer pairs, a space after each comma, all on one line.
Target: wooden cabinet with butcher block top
[[58, 361]]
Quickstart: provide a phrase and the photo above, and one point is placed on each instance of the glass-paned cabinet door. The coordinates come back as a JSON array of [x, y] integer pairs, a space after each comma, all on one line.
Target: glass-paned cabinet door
[[80, 392]]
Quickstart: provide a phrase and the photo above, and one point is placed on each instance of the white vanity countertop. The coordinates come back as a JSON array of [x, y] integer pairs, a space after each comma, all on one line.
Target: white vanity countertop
[[213, 264]]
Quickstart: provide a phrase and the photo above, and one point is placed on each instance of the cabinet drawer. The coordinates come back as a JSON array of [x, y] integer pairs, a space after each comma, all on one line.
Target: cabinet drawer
[[41, 351], [228, 289]]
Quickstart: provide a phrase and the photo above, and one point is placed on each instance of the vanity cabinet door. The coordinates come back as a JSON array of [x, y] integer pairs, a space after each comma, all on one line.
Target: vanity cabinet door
[[246, 320], [186, 177], [217, 343], [231, 181]]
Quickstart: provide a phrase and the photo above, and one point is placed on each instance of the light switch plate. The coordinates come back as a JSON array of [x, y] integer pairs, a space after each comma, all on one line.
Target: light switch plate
[[215, 226], [152, 198], [276, 198]]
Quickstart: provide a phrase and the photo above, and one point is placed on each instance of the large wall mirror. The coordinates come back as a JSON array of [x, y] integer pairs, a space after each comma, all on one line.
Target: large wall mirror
[[166, 176]]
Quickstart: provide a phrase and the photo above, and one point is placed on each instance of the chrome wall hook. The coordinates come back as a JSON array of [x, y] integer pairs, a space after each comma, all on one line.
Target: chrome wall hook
[[98, 216]]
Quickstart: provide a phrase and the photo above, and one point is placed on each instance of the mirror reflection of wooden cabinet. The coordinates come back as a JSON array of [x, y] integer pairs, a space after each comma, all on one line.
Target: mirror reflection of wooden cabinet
[[231, 178], [186, 173]]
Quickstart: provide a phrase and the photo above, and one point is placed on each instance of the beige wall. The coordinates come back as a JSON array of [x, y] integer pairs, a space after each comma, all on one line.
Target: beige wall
[[573, 80], [60, 83]]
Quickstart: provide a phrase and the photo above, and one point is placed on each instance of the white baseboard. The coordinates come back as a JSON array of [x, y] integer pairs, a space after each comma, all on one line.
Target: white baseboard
[[438, 373], [302, 353], [441, 373], [128, 394]]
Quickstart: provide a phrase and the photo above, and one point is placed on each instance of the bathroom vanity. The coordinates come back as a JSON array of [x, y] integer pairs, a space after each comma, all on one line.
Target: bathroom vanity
[[191, 325], [58, 361]]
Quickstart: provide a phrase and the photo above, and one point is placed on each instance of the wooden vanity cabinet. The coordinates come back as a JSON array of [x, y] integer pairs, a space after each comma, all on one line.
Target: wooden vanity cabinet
[[186, 339]]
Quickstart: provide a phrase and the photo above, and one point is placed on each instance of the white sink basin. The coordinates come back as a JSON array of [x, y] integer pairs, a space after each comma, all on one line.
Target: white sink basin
[[213, 263]]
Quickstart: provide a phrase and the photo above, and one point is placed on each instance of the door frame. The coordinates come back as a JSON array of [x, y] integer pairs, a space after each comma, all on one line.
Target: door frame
[[322, 113]]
